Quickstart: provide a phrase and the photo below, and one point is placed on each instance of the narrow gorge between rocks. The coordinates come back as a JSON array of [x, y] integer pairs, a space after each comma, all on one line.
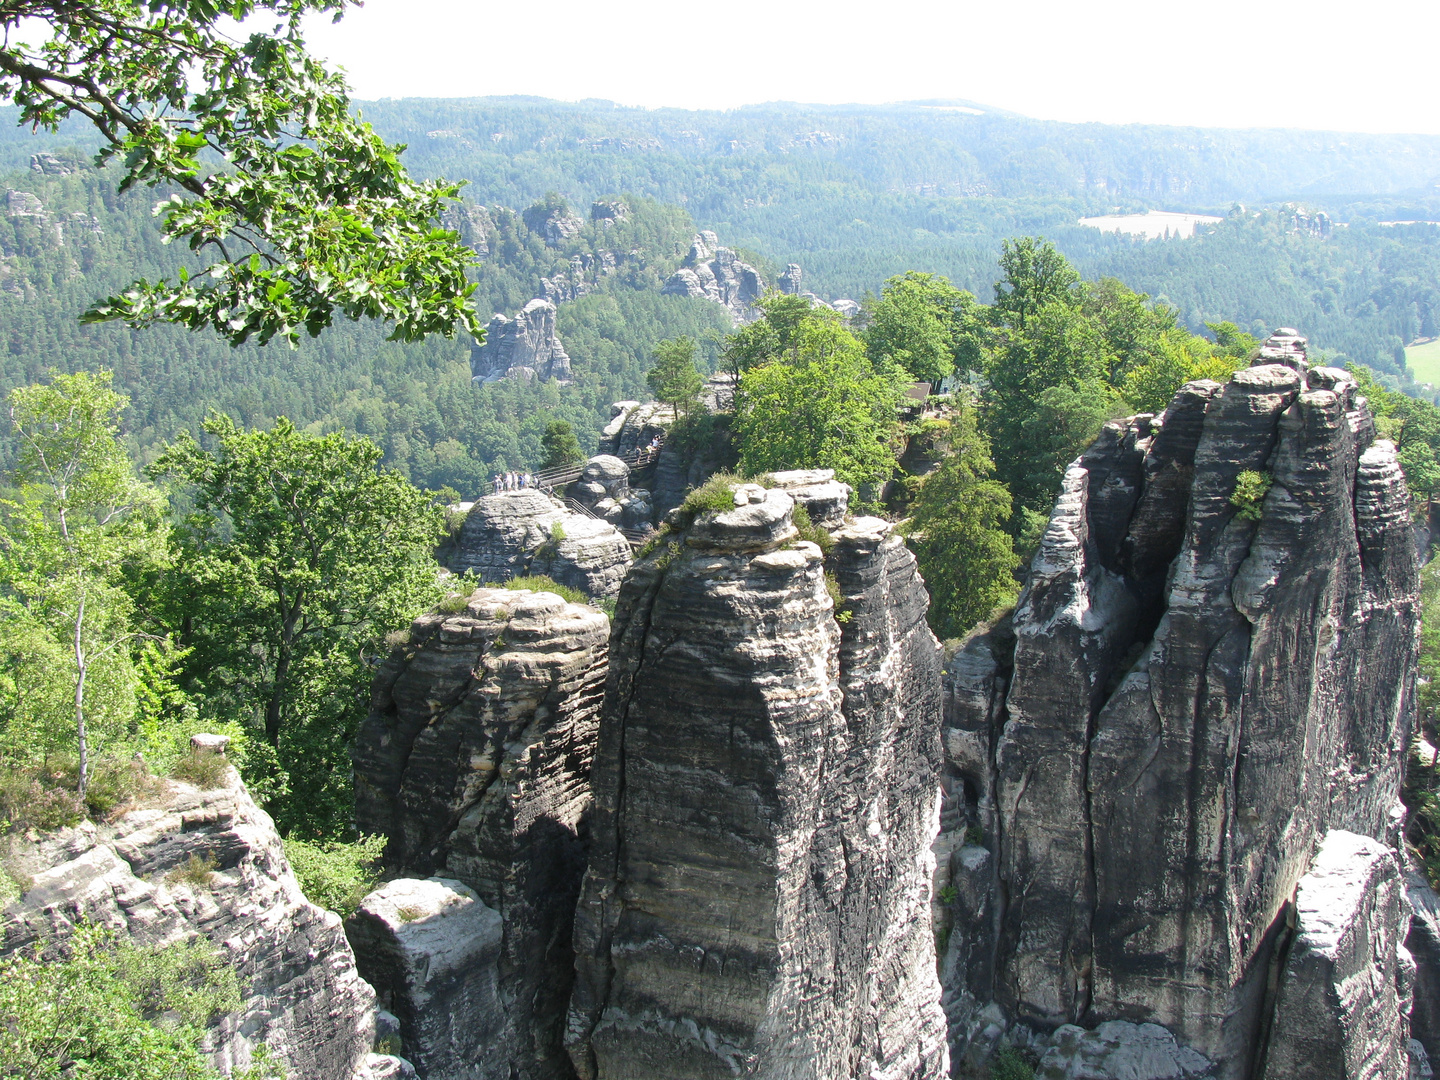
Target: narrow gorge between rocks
[[758, 823]]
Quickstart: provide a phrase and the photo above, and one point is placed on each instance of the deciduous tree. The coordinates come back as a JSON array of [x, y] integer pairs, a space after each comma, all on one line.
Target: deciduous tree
[[306, 210]]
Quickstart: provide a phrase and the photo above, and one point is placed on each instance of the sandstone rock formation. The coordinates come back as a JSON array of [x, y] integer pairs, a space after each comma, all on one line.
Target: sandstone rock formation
[[1187, 702], [757, 895], [554, 223], [301, 994], [604, 489], [633, 425], [431, 949], [712, 272], [473, 223], [475, 762], [515, 533], [524, 347], [1344, 981]]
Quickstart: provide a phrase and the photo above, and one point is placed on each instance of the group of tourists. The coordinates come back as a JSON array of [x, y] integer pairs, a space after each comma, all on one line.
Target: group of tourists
[[513, 481]]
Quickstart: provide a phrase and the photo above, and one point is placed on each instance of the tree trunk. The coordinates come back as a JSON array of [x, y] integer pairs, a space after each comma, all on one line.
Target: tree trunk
[[80, 671], [282, 675]]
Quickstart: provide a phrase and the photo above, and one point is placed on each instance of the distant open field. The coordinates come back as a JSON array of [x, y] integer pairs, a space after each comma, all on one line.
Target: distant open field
[[1424, 361], [1152, 224]]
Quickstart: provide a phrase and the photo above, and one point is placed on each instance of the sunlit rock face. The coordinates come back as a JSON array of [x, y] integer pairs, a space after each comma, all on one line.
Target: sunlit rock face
[[301, 996], [1191, 696], [758, 892], [475, 763]]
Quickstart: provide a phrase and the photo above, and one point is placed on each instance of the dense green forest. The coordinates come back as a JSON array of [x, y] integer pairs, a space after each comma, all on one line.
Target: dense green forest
[[855, 195], [78, 240]]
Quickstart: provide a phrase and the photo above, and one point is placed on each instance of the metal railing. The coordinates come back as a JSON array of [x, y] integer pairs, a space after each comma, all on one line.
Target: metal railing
[[560, 475]]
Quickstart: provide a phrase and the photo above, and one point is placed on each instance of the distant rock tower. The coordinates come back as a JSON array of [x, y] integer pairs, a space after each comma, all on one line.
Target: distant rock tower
[[524, 347]]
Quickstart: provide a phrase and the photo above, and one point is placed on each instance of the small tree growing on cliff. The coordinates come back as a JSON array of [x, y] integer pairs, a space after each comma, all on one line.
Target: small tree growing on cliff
[[674, 380], [559, 444], [79, 517]]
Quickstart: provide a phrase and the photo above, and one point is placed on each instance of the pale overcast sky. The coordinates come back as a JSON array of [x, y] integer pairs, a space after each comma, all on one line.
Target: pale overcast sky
[[1358, 66]]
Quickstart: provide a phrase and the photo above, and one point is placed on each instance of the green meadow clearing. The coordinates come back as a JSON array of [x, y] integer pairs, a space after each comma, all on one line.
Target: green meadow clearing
[[1424, 361]]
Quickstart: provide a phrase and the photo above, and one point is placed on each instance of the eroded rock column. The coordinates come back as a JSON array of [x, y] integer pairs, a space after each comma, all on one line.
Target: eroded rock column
[[758, 891]]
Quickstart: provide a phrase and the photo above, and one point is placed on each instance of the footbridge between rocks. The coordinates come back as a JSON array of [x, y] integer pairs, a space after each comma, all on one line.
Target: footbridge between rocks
[[560, 475]]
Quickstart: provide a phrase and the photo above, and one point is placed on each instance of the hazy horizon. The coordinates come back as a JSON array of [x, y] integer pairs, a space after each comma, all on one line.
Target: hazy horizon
[[1224, 64]]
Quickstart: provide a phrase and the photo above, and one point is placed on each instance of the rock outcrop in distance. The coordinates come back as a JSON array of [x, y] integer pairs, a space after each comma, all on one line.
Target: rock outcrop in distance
[[475, 762], [757, 898], [525, 347], [712, 272], [301, 995], [518, 533], [1172, 779]]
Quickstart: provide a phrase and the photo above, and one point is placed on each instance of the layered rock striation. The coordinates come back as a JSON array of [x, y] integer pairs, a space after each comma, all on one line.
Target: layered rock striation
[[301, 995], [525, 347], [757, 898], [475, 762], [1193, 697], [517, 533]]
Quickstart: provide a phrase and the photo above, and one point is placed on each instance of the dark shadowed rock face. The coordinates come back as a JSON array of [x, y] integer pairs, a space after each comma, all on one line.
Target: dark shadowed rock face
[[475, 762], [757, 898], [516, 533], [1187, 703], [301, 994]]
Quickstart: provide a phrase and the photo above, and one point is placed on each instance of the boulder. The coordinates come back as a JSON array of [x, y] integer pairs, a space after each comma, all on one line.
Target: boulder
[[431, 948], [474, 762], [1347, 977], [517, 533], [825, 499], [759, 879], [301, 994]]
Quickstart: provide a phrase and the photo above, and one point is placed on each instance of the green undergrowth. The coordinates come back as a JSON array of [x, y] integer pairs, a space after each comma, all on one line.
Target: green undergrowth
[[542, 583], [716, 493], [111, 1010], [333, 873], [1249, 494]]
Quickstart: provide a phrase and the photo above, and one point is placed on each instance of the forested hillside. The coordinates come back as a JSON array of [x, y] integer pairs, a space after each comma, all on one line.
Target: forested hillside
[[855, 195], [68, 240]]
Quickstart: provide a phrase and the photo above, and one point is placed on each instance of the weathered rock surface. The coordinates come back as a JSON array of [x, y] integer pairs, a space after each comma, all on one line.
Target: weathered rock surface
[[473, 223], [431, 948], [525, 347], [604, 489], [1423, 943], [475, 763], [1187, 702], [759, 881], [634, 425], [712, 272], [1347, 977], [1117, 1050], [515, 533], [554, 224], [302, 996]]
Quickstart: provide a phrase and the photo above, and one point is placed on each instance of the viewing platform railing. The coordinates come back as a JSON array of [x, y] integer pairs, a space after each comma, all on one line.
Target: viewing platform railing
[[560, 475]]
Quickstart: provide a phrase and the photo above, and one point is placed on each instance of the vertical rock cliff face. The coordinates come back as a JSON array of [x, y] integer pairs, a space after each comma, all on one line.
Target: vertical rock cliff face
[[301, 995], [757, 898], [1189, 700], [475, 762]]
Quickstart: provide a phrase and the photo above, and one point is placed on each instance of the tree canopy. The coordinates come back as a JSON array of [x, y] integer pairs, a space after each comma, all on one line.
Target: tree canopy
[[300, 555], [309, 211], [820, 404]]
